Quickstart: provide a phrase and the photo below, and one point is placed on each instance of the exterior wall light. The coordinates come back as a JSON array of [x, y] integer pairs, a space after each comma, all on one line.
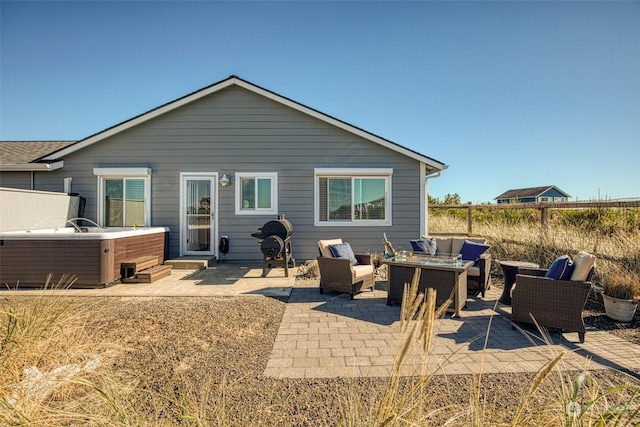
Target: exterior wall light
[[225, 181]]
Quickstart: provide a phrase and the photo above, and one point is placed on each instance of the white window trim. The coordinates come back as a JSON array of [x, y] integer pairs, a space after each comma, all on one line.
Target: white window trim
[[386, 173], [273, 176], [110, 173]]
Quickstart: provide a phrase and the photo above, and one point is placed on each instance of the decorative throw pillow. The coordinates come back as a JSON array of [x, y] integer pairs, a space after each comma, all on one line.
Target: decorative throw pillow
[[427, 246], [417, 245], [430, 246], [583, 262], [558, 268], [471, 251], [325, 251], [568, 272], [343, 250]]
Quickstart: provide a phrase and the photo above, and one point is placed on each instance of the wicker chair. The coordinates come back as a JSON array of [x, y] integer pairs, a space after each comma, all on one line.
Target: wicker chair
[[552, 303], [339, 274], [478, 284]]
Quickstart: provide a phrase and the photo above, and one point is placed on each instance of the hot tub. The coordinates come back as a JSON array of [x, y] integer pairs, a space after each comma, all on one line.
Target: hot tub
[[93, 256]]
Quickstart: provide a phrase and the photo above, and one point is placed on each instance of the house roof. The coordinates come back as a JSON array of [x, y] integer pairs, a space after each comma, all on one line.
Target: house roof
[[522, 193], [432, 165], [26, 155]]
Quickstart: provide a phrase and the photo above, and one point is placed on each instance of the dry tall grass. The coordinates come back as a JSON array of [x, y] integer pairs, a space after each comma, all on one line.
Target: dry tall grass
[[526, 242], [54, 372]]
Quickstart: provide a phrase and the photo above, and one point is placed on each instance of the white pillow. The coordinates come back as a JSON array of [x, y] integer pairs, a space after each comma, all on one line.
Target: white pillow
[[324, 246], [582, 264]]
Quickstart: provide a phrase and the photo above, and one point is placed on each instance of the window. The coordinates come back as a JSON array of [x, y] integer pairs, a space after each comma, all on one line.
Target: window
[[124, 196], [353, 197], [256, 193]]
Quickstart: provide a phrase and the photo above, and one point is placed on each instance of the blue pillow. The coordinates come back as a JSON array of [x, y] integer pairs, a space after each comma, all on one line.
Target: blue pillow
[[417, 245], [471, 251], [559, 268], [568, 271], [343, 250], [427, 246]]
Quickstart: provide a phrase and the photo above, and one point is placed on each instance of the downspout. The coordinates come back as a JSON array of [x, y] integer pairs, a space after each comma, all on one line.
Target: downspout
[[424, 231], [33, 179]]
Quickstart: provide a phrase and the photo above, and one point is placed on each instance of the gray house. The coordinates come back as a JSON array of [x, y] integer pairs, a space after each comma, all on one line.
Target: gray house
[[550, 193], [224, 160]]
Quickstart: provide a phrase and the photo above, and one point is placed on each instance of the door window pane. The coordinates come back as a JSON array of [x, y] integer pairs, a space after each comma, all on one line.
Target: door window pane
[[114, 193], [199, 215], [134, 207]]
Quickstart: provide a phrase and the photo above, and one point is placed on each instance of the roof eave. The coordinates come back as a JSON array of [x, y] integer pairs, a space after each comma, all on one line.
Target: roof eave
[[33, 167]]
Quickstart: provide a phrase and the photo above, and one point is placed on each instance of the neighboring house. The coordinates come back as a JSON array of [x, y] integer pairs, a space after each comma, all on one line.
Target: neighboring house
[[226, 159], [550, 193]]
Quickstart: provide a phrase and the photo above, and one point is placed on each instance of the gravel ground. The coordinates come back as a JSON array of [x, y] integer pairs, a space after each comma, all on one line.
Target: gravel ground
[[594, 316], [210, 353]]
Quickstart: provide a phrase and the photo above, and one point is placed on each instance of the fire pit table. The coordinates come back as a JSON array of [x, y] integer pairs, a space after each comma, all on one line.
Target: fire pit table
[[447, 275]]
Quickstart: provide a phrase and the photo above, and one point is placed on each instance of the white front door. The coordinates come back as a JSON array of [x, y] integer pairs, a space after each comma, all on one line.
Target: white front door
[[198, 214]]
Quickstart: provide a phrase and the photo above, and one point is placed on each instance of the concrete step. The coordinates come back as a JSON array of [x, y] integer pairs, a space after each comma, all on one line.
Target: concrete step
[[191, 262]]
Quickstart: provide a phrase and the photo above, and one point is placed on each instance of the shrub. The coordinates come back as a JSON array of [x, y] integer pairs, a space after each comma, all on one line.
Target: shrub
[[621, 285], [309, 270]]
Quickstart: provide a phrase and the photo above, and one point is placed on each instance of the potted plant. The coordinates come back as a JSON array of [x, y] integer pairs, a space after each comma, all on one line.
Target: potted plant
[[621, 293]]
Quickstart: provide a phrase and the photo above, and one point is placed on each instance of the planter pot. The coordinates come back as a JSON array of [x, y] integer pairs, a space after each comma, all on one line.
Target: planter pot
[[621, 310]]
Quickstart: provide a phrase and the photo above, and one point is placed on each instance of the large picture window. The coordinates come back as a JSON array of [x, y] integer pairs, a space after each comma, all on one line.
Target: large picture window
[[256, 193], [353, 197], [123, 196]]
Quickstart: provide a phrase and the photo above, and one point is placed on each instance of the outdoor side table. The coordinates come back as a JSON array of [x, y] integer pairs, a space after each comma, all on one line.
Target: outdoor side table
[[510, 269]]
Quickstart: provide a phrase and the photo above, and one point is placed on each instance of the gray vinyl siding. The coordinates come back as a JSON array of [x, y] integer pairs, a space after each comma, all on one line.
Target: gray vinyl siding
[[236, 130], [20, 180]]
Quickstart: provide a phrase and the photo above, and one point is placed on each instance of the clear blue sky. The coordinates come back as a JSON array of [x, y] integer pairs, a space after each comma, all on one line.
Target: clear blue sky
[[508, 94]]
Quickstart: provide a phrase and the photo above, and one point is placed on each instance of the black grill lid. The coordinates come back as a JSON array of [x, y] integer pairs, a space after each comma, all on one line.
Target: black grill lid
[[281, 228]]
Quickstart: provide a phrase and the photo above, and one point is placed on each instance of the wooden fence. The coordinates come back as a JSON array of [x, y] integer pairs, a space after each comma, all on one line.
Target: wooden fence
[[543, 207]]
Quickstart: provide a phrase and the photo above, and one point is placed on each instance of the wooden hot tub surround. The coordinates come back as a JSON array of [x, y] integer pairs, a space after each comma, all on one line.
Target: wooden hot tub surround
[[93, 258]]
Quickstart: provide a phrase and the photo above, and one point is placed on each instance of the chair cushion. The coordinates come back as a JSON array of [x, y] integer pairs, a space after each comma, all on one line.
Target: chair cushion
[[473, 271], [456, 245], [582, 265], [559, 268], [471, 251], [427, 246], [443, 245], [343, 250], [324, 246], [363, 270]]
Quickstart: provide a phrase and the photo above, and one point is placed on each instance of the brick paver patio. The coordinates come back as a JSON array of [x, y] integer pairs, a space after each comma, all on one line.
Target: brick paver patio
[[329, 335]]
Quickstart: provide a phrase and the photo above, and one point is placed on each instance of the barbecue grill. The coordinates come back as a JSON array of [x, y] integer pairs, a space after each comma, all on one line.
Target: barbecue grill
[[275, 244]]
